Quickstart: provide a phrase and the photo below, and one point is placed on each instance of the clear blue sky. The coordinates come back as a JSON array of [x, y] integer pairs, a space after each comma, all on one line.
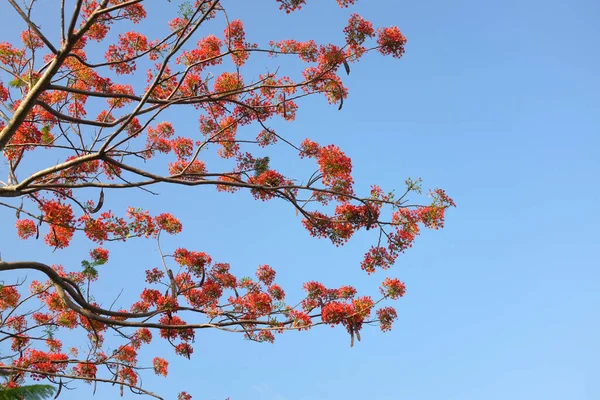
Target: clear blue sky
[[495, 101]]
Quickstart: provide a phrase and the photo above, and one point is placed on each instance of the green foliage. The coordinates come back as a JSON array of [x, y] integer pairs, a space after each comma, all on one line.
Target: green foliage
[[185, 10], [261, 165], [30, 392], [17, 83], [46, 137], [89, 269]]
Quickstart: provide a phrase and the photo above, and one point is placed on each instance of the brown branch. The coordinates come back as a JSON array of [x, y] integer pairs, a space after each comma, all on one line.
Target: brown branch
[[33, 26], [92, 312], [162, 69], [34, 93]]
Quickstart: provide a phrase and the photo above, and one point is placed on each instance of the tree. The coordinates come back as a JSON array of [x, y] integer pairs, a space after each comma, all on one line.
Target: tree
[[107, 129]]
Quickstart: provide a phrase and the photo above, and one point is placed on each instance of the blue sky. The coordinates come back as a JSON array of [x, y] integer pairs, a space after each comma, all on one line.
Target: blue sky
[[496, 102]]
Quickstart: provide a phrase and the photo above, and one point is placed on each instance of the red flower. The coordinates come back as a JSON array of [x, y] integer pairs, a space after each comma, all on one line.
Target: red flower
[[184, 349], [26, 228], [391, 41], [85, 370], [265, 336], [43, 362], [99, 255], [168, 223], [378, 257], [392, 288], [336, 168], [167, 333], [154, 275], [3, 92], [277, 292], [143, 335], [265, 274], [9, 297], [196, 261], [301, 320], [358, 30], [184, 396], [126, 354], [60, 218], [188, 171], [205, 54], [31, 40], [128, 375], [160, 366], [227, 84], [386, 316], [335, 312], [309, 148], [235, 38], [183, 147], [267, 179]]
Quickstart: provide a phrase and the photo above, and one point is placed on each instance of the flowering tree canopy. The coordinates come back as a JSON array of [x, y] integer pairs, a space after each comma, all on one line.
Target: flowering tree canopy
[[77, 124]]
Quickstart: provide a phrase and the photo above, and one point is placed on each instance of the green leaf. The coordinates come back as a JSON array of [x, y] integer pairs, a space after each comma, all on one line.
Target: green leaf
[[17, 83], [46, 136]]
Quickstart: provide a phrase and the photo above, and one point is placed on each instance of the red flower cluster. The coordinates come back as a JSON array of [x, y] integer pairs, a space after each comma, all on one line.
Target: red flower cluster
[[336, 312], [205, 54], [154, 275], [336, 168], [160, 366], [227, 84], [268, 179], [26, 228], [265, 274], [60, 218], [4, 93], [181, 333], [386, 316], [235, 37], [391, 41], [301, 320], [121, 57], [196, 261], [9, 297], [99, 255], [26, 138], [85, 370], [43, 362], [276, 292], [184, 349], [392, 288], [187, 171], [253, 305], [307, 51], [357, 31], [168, 223], [31, 40]]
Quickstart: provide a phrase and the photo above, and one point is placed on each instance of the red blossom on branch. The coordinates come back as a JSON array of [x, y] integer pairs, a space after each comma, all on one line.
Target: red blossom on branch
[[78, 126]]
